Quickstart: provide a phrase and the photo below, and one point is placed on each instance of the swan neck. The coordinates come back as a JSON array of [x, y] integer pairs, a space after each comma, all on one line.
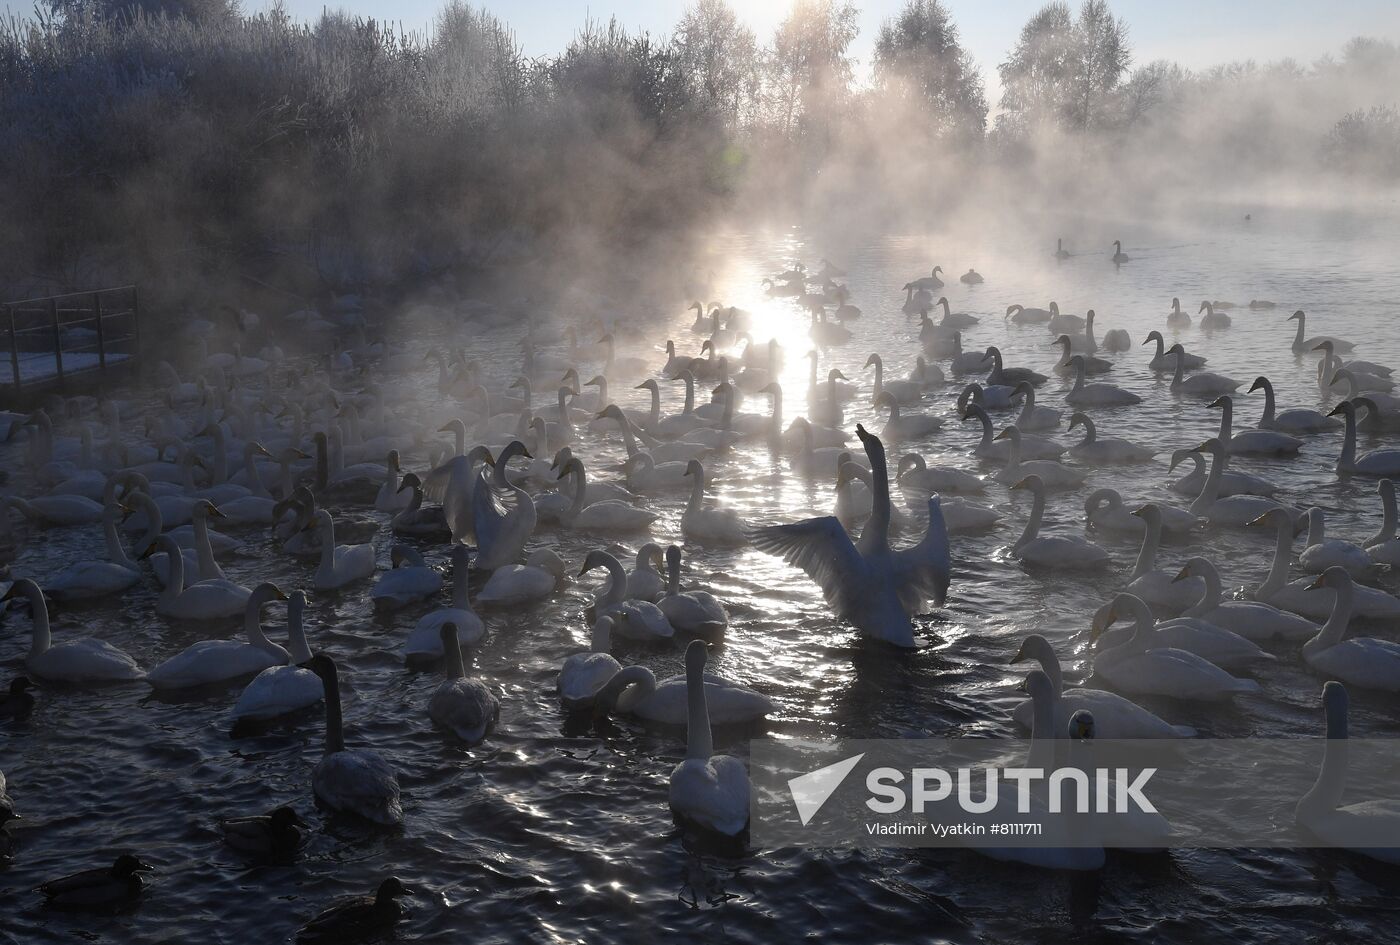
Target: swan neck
[[1278, 569], [673, 577], [1268, 417], [1388, 522], [1347, 460], [580, 484], [42, 639], [335, 724], [699, 743], [1211, 599], [453, 667], [203, 547], [113, 540], [1041, 754], [1336, 626], [1032, 523], [1147, 554], [297, 646], [697, 492]]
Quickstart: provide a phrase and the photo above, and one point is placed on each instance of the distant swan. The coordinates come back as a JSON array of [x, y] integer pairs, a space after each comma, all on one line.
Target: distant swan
[[85, 660]]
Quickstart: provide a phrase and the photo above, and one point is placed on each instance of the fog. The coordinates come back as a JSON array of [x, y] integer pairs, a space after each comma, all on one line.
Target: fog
[[218, 157]]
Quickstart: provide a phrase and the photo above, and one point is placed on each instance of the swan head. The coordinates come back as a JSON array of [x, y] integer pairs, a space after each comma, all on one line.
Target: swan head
[[909, 461], [847, 471], [610, 411], [1335, 704], [1105, 496], [208, 509], [1297, 314], [1205, 306], [873, 359], [1345, 407], [1212, 446], [1033, 647], [694, 468], [1081, 724], [1222, 401], [1323, 346], [1014, 434], [1078, 418], [572, 464], [598, 559], [1259, 382], [1176, 349], [835, 375], [673, 556], [886, 399], [1152, 336], [773, 387], [1012, 309], [1272, 517], [650, 384], [1194, 567], [546, 560], [1334, 577], [1031, 482], [1148, 512]]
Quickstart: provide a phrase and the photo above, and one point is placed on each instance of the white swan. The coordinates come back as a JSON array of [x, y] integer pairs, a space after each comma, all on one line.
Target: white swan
[[353, 782], [697, 613], [1176, 318], [86, 660], [634, 619], [1232, 510], [1292, 420], [1253, 620], [1231, 482], [1251, 442], [1379, 463], [1139, 667], [1163, 360], [1032, 445], [465, 707], [1224, 648], [1301, 344], [1033, 417], [1300, 597], [584, 675], [635, 691], [217, 661], [424, 643], [281, 690], [1096, 395], [868, 583], [1105, 509], [645, 582], [609, 515], [1159, 587], [205, 600], [1051, 474], [1115, 717], [1320, 812], [1212, 318], [915, 473], [712, 526], [1065, 364], [1320, 552], [1383, 547], [1107, 451], [1364, 662], [711, 791], [904, 392], [1204, 384], [1072, 553], [408, 581], [88, 579], [340, 565], [517, 585], [503, 515]]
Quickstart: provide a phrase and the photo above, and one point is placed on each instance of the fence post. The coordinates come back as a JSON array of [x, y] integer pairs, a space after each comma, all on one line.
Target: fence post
[[101, 340], [57, 337], [14, 346]]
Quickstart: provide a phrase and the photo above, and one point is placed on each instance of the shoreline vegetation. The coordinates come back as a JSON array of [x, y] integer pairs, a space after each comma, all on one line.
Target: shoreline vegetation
[[212, 155]]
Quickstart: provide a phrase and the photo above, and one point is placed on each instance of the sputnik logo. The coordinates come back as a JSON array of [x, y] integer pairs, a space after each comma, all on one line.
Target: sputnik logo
[[810, 791]]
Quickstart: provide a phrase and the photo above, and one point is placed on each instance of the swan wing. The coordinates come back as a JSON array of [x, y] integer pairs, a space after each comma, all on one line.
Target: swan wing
[[821, 548], [921, 572], [500, 515]]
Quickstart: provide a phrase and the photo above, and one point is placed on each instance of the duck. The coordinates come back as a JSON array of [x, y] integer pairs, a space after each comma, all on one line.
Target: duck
[[584, 675], [81, 661], [284, 688], [424, 644], [1110, 450], [1364, 662], [696, 613], [867, 582], [1294, 419], [203, 600], [1115, 717], [1096, 395], [1164, 360], [1049, 473], [1251, 442], [359, 782], [211, 662], [1320, 812], [340, 565], [408, 581], [711, 526], [465, 707], [1381, 464], [1302, 344], [1320, 553], [101, 890], [1256, 621], [520, 585], [358, 917], [276, 835], [633, 619], [1061, 553], [1138, 666]]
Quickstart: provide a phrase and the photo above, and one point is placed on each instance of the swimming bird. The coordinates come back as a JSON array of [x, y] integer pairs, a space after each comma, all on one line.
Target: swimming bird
[[584, 675], [1382, 463], [408, 581], [465, 707], [1110, 450], [208, 662], [707, 790], [1292, 420], [1137, 666], [424, 643], [276, 835], [697, 613], [282, 689], [1251, 442], [100, 890], [1301, 344], [1057, 552], [1364, 662], [357, 918], [352, 782], [1119, 257]]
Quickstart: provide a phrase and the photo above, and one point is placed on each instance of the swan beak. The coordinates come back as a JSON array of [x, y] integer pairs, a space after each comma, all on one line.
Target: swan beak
[[1020, 655], [1023, 484], [1217, 402], [445, 428], [1183, 575], [526, 453], [1320, 582], [1319, 347], [1336, 410], [147, 552], [1140, 512], [213, 510], [562, 474], [406, 485], [259, 448], [281, 594], [1003, 434]]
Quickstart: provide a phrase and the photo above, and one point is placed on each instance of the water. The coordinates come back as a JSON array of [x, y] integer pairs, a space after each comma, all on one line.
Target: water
[[542, 834]]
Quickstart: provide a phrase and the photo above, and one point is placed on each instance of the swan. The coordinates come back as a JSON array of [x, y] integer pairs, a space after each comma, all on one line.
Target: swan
[[281, 690], [990, 448], [962, 362], [867, 582], [1009, 376], [1299, 596], [390, 497], [503, 515], [722, 526], [1064, 322], [931, 281], [1213, 319], [855, 502], [1224, 648], [1096, 395], [1114, 716], [1073, 553], [88, 579], [160, 564], [1028, 316], [218, 661], [609, 515], [697, 613], [645, 582], [340, 565], [1081, 341], [55, 510], [1333, 375], [991, 397], [517, 585], [1176, 318], [1230, 510], [955, 320], [1032, 417], [1204, 384], [1065, 365], [1119, 257], [906, 427], [204, 600], [1231, 483], [1301, 344], [904, 392], [1251, 442], [634, 619], [1060, 251], [408, 581], [1148, 831], [1383, 464], [465, 707], [1292, 420], [1105, 510], [1137, 667], [1364, 662], [424, 643], [927, 375], [707, 790], [85, 660], [1117, 340], [1253, 620], [826, 408], [1165, 361], [914, 473], [1160, 588], [824, 333], [1320, 553], [635, 691], [659, 452], [1110, 450], [1049, 473], [584, 675], [1357, 826], [1383, 547], [412, 519], [971, 277], [353, 782]]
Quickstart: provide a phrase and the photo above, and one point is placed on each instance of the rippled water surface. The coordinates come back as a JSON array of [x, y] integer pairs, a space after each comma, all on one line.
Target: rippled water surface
[[547, 834]]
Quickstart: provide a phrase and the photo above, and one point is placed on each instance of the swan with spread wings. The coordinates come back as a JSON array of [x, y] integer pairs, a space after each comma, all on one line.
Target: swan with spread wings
[[867, 582]]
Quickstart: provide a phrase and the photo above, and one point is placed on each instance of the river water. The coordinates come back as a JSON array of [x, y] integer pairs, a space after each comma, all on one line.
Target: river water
[[544, 833]]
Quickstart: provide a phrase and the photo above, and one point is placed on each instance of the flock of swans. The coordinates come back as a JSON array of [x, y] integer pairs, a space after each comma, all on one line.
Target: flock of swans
[[476, 472]]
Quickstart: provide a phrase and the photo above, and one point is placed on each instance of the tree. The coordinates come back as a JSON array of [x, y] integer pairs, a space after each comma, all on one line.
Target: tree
[[918, 56], [809, 73], [720, 56], [1064, 70]]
